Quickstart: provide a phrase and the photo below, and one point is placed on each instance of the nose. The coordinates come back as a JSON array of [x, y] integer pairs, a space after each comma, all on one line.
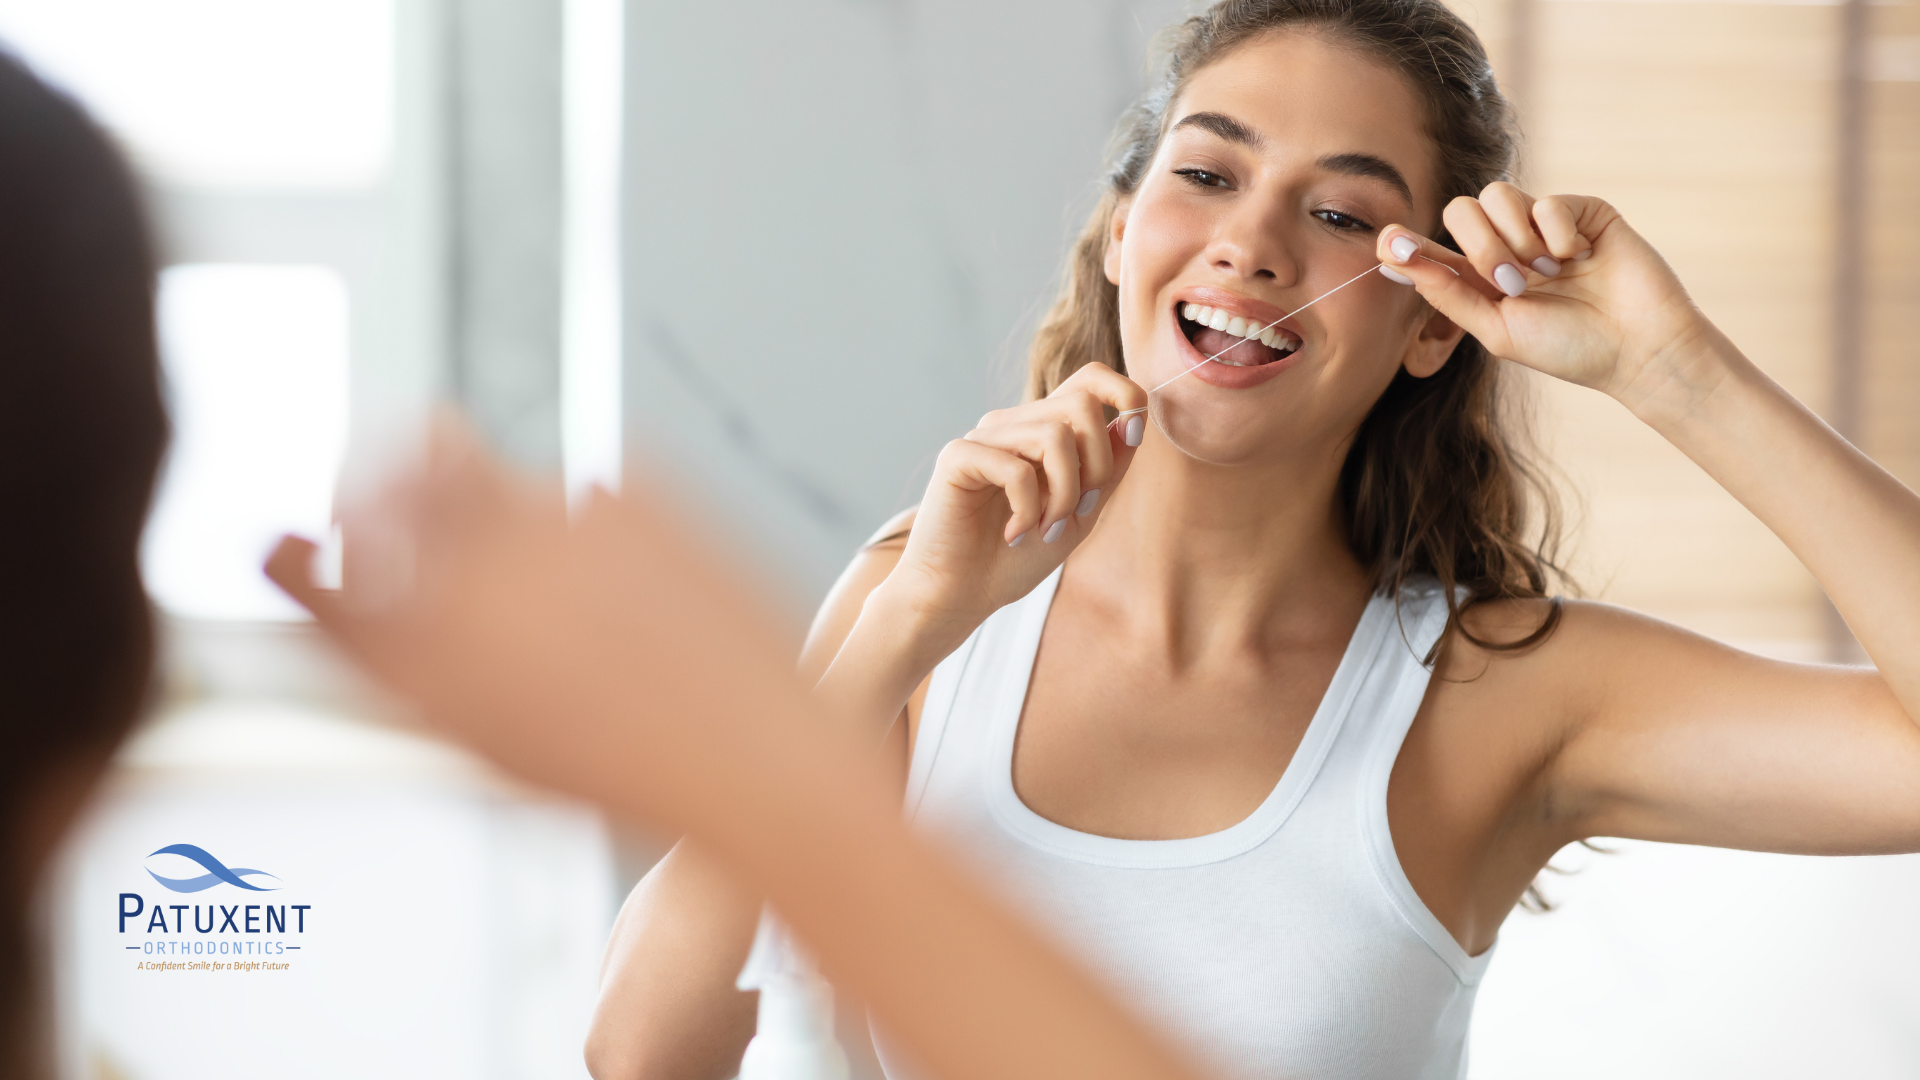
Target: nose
[[1251, 241]]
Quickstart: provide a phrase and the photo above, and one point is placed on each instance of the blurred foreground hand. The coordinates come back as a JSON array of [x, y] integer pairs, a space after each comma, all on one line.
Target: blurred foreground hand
[[611, 656]]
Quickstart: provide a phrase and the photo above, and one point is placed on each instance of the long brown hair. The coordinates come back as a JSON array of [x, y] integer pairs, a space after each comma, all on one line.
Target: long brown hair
[[82, 429], [1438, 481]]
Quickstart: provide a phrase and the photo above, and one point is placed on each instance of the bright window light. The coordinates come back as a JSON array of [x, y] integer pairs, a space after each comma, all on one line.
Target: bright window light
[[256, 363], [240, 93]]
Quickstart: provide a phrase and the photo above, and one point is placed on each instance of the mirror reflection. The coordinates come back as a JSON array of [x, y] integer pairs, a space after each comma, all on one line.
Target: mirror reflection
[[1320, 537]]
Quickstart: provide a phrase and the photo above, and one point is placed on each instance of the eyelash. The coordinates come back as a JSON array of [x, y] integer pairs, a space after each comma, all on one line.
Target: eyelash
[[1202, 178], [1352, 224], [1338, 220]]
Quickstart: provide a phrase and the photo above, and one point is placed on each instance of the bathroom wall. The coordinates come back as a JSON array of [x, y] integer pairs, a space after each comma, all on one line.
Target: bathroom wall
[[844, 217]]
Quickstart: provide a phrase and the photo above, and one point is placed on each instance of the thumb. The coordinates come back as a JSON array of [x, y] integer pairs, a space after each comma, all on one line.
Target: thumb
[[1446, 280], [1125, 433]]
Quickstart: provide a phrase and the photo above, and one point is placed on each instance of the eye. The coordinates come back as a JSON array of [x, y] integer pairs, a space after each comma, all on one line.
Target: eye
[[1202, 178], [1342, 222]]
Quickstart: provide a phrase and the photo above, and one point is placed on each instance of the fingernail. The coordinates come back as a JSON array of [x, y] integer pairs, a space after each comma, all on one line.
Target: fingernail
[[1510, 279], [1053, 533], [1086, 503], [1587, 254], [1015, 542], [1547, 265], [1136, 430], [1402, 247], [1390, 274]]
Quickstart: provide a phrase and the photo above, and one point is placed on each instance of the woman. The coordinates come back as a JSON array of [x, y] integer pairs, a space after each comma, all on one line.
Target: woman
[[1262, 703], [81, 434]]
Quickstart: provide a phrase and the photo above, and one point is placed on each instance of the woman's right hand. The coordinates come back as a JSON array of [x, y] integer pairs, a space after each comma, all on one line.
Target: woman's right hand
[[1012, 499]]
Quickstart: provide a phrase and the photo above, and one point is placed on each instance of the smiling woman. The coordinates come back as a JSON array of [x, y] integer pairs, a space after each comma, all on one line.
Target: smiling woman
[[1263, 705]]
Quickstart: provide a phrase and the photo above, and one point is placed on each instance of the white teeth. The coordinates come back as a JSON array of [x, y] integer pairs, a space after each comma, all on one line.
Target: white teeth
[[1250, 329]]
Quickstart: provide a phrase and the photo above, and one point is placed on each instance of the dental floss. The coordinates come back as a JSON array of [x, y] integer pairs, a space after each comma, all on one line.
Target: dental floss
[[1382, 267]]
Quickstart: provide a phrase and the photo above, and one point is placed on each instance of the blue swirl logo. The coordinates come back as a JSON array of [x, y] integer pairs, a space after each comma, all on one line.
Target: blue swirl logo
[[216, 872]]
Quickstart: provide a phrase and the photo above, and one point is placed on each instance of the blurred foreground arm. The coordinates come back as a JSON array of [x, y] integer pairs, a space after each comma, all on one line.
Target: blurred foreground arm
[[617, 660]]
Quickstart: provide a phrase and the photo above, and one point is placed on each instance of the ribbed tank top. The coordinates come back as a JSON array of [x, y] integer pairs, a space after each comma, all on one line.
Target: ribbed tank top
[[1288, 945]]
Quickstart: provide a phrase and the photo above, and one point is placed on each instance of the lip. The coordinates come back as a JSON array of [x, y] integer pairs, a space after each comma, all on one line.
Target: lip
[[1222, 375]]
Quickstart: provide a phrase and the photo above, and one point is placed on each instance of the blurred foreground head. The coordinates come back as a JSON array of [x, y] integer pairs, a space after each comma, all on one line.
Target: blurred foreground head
[[82, 430]]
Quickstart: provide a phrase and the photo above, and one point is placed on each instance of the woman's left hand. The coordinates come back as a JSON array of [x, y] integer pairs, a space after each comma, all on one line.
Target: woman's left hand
[[1561, 284]]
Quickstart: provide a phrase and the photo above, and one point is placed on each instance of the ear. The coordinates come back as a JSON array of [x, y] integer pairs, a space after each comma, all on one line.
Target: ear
[[1116, 230], [1428, 351]]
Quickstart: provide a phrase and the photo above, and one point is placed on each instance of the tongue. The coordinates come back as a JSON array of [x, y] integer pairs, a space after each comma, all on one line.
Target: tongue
[[1245, 352]]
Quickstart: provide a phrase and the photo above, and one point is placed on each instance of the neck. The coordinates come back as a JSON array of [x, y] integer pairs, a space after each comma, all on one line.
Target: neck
[[1220, 559]]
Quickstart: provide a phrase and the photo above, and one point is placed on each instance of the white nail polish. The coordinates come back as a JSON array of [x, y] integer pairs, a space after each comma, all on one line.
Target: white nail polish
[[1510, 279], [1136, 430], [1087, 503], [1054, 532], [1015, 542], [1587, 254], [1391, 274], [1547, 266], [1403, 247]]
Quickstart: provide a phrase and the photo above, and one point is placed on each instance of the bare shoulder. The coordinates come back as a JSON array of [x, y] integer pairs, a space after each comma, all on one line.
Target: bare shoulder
[[1556, 637], [1567, 659], [1534, 666], [870, 566], [1513, 685]]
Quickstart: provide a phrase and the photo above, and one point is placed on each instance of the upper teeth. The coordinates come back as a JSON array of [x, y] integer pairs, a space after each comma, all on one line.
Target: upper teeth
[[1270, 336]]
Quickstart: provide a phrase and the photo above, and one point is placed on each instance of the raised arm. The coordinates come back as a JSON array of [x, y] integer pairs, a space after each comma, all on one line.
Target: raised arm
[[1671, 736], [667, 1006], [668, 1009], [615, 660]]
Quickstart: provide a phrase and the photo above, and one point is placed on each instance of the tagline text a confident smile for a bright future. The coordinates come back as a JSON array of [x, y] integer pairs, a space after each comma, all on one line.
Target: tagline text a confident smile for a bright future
[[211, 965]]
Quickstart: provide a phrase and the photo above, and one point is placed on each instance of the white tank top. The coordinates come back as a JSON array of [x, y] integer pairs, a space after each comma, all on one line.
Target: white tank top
[[1288, 945]]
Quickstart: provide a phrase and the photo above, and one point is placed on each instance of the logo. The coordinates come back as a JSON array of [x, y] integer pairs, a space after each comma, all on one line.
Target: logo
[[259, 932], [217, 872]]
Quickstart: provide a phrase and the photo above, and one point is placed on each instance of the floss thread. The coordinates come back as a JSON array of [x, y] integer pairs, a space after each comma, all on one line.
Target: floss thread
[[1382, 267], [1255, 334]]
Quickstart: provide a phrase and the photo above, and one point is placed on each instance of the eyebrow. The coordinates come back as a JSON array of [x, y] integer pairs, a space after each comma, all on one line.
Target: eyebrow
[[1356, 164], [1224, 126], [1352, 163]]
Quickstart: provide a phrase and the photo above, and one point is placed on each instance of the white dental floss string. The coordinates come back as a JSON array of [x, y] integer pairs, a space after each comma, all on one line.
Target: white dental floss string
[[1271, 325], [1252, 336]]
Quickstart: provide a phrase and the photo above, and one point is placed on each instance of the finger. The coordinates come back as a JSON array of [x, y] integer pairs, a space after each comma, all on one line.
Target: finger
[[972, 466], [1126, 398], [1109, 387], [1087, 417], [1559, 222], [1447, 281], [290, 566], [1050, 444], [1511, 212], [1467, 220]]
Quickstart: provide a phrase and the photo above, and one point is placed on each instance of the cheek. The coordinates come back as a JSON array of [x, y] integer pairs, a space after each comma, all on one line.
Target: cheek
[[1373, 332], [1163, 237]]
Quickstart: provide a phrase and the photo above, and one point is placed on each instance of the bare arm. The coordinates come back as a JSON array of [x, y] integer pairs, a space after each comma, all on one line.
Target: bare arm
[[615, 660], [668, 1008], [667, 1005], [1668, 735]]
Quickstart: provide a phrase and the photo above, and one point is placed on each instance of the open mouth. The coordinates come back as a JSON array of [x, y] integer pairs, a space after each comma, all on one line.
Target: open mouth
[[1234, 341]]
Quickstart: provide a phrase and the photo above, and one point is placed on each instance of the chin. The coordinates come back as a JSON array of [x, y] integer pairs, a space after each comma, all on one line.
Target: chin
[[1224, 434]]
